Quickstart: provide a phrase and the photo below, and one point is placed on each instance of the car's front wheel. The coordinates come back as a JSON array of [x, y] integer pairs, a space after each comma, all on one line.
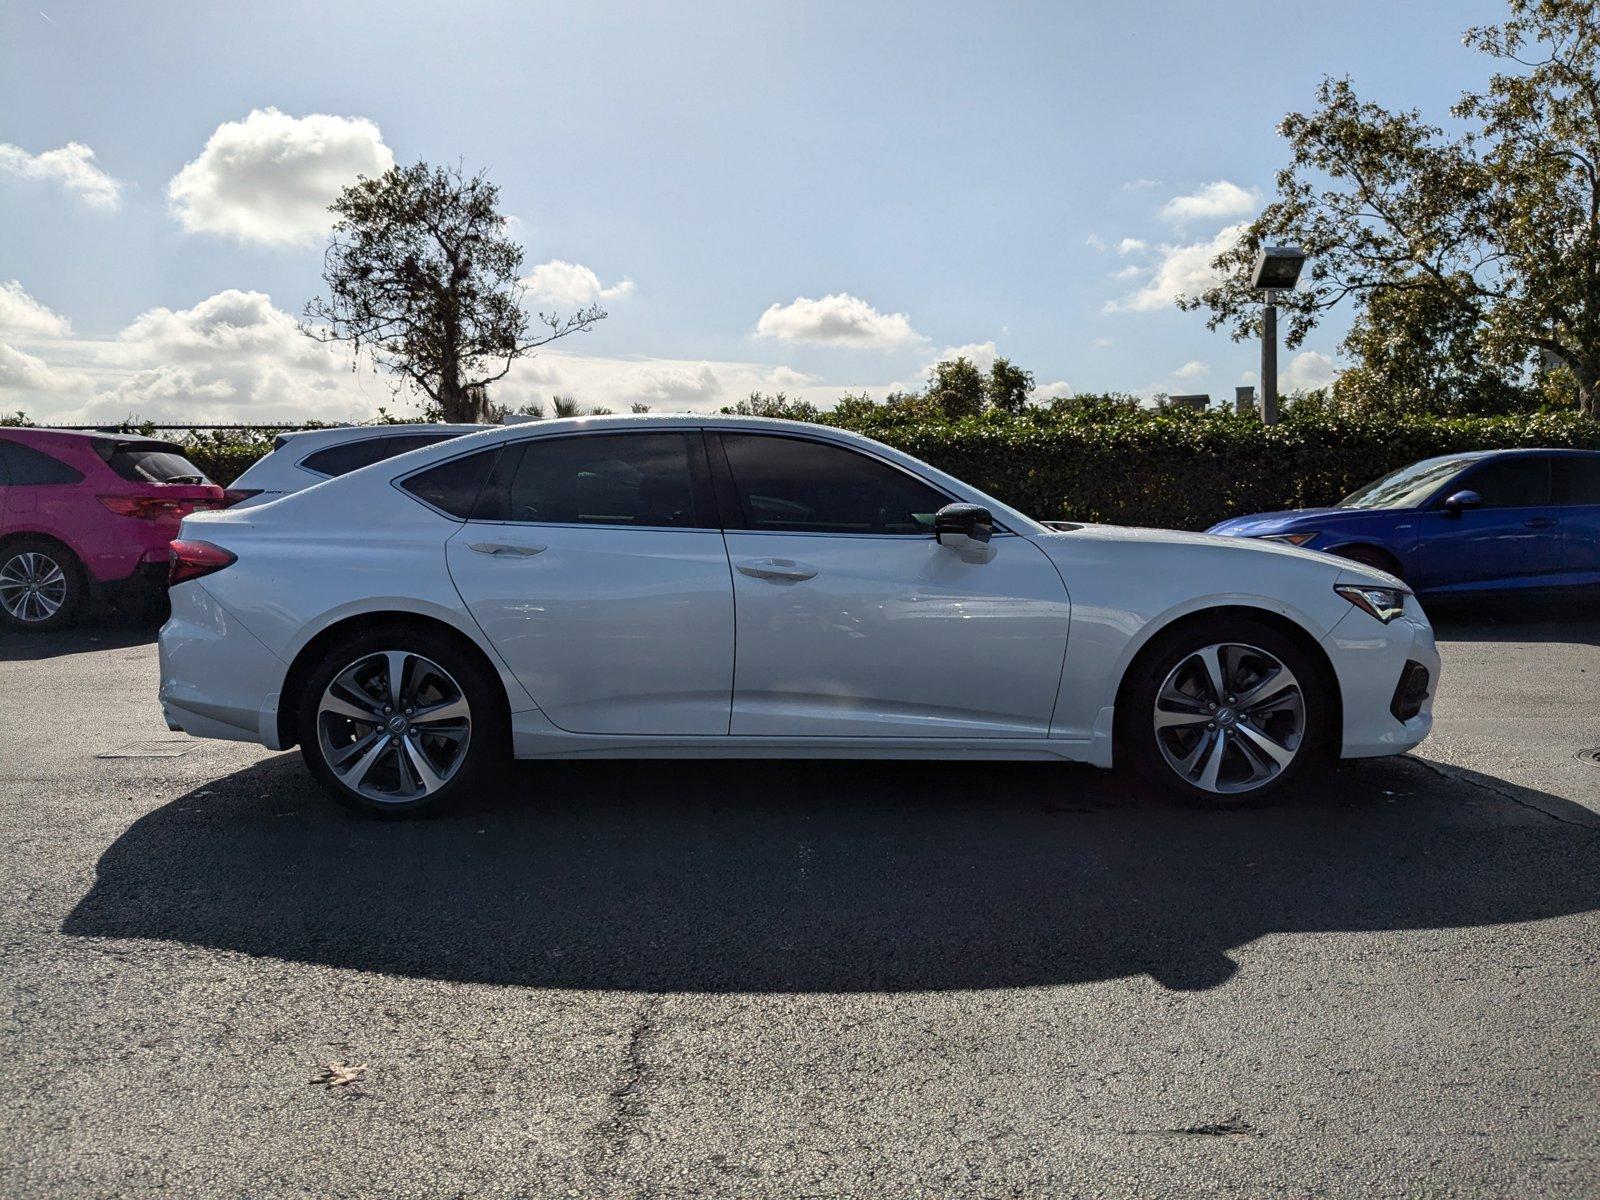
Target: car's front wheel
[[41, 584], [1227, 712], [398, 722]]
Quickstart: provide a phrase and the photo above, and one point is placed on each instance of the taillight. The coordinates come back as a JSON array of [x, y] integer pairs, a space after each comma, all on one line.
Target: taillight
[[155, 508], [191, 560]]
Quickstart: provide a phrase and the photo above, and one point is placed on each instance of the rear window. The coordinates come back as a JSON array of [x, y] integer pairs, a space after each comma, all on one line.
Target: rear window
[[453, 487], [352, 456], [154, 464]]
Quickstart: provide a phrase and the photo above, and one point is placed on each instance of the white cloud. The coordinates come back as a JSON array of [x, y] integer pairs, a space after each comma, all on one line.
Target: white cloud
[[1095, 242], [270, 177], [571, 284], [1307, 371], [21, 314], [1052, 391], [22, 373], [979, 354], [1214, 202], [1247, 377], [1102, 343], [1181, 270], [71, 166], [782, 377], [1134, 185], [1193, 369], [1131, 246], [838, 319]]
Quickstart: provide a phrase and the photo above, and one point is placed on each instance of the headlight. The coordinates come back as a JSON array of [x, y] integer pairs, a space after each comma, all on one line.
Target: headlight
[[1293, 539], [1384, 603]]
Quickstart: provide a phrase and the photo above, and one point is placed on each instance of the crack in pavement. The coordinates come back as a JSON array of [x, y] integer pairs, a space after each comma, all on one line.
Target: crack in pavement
[[1456, 776], [624, 1099]]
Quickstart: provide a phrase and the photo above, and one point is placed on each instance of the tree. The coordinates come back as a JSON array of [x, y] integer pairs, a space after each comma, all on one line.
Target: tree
[[1008, 387], [420, 273], [956, 386], [1490, 235]]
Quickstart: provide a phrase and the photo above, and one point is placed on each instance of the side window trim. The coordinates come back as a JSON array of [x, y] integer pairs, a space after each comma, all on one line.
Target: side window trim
[[732, 510]]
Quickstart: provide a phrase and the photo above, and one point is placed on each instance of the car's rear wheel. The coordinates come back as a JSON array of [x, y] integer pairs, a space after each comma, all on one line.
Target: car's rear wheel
[[1226, 713], [401, 722], [41, 584]]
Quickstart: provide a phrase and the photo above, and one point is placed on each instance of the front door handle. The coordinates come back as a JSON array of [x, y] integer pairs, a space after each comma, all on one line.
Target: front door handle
[[776, 568], [1541, 522], [506, 549]]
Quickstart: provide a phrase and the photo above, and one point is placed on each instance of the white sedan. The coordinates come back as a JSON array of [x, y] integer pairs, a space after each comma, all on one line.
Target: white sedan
[[719, 587]]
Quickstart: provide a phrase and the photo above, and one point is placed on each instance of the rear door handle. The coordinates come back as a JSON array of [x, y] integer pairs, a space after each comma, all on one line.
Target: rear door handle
[[506, 549], [1541, 522], [776, 568]]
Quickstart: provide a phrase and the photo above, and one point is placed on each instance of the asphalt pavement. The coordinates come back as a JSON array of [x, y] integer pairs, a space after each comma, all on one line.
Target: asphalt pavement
[[801, 978]]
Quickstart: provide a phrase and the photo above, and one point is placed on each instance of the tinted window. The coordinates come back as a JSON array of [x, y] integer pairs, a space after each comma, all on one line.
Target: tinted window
[[642, 479], [28, 467], [1518, 482], [154, 464], [794, 485], [1407, 487], [347, 456], [1577, 479], [402, 443], [454, 486]]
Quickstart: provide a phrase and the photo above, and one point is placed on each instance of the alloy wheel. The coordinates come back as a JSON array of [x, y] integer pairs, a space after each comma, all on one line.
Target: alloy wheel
[[1229, 718], [394, 726], [33, 587]]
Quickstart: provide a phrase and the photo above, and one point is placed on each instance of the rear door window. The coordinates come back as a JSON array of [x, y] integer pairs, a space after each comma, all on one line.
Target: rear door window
[[641, 480], [1576, 479], [454, 486], [347, 456], [28, 467]]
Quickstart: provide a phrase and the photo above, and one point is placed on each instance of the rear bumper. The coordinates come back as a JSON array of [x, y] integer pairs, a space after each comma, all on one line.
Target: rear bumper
[[217, 679], [1370, 660]]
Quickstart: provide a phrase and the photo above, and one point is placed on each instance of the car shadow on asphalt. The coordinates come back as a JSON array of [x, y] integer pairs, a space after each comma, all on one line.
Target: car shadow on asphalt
[[107, 628], [1572, 619], [830, 876]]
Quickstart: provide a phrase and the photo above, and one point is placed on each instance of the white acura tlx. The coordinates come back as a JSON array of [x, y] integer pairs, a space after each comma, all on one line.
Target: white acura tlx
[[657, 587]]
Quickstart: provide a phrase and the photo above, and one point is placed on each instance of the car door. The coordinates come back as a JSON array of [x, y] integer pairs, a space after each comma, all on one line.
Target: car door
[[1575, 488], [594, 564], [853, 621], [1511, 540]]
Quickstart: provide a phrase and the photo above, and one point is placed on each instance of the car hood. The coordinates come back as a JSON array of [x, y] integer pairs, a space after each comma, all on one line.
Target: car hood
[[1291, 519], [1134, 535]]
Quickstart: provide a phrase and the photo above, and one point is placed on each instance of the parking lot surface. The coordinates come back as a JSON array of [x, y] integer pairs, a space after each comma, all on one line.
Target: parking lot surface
[[800, 978]]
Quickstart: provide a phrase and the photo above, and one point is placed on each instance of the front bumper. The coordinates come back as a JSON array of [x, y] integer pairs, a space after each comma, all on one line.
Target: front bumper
[[1371, 660]]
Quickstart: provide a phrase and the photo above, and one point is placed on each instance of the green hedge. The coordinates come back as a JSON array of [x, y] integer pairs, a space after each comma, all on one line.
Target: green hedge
[[1175, 469]]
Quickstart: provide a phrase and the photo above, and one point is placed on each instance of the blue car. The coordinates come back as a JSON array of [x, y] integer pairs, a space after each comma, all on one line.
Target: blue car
[[1460, 524]]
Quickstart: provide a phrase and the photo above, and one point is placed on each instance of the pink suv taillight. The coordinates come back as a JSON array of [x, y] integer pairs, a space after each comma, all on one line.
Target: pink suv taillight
[[191, 560], [154, 508]]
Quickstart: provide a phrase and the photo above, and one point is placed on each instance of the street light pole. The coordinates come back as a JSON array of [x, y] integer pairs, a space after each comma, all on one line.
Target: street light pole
[[1276, 269], [1269, 359]]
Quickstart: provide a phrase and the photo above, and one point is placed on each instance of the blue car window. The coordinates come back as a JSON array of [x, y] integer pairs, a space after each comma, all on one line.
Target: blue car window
[[1520, 482], [1407, 487], [1577, 479]]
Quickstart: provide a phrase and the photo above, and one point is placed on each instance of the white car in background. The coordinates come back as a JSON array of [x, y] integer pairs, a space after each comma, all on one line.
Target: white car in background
[[310, 456], [656, 587]]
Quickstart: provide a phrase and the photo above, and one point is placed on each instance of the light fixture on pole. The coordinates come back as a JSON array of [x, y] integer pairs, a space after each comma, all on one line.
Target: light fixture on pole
[[1277, 269]]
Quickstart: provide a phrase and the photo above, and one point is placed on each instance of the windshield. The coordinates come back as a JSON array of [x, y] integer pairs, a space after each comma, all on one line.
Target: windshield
[[1407, 487]]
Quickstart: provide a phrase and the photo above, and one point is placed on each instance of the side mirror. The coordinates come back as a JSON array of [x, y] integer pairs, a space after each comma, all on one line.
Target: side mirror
[[963, 526], [1459, 502]]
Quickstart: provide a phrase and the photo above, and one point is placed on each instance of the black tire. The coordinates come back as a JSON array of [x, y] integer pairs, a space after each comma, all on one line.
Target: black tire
[[485, 744], [13, 563], [1371, 556], [1136, 717]]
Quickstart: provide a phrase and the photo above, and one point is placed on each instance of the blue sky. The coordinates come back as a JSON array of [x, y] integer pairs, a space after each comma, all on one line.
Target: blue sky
[[928, 176]]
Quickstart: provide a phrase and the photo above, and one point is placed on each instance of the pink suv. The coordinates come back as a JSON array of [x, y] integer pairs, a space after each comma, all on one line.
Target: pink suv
[[82, 511]]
